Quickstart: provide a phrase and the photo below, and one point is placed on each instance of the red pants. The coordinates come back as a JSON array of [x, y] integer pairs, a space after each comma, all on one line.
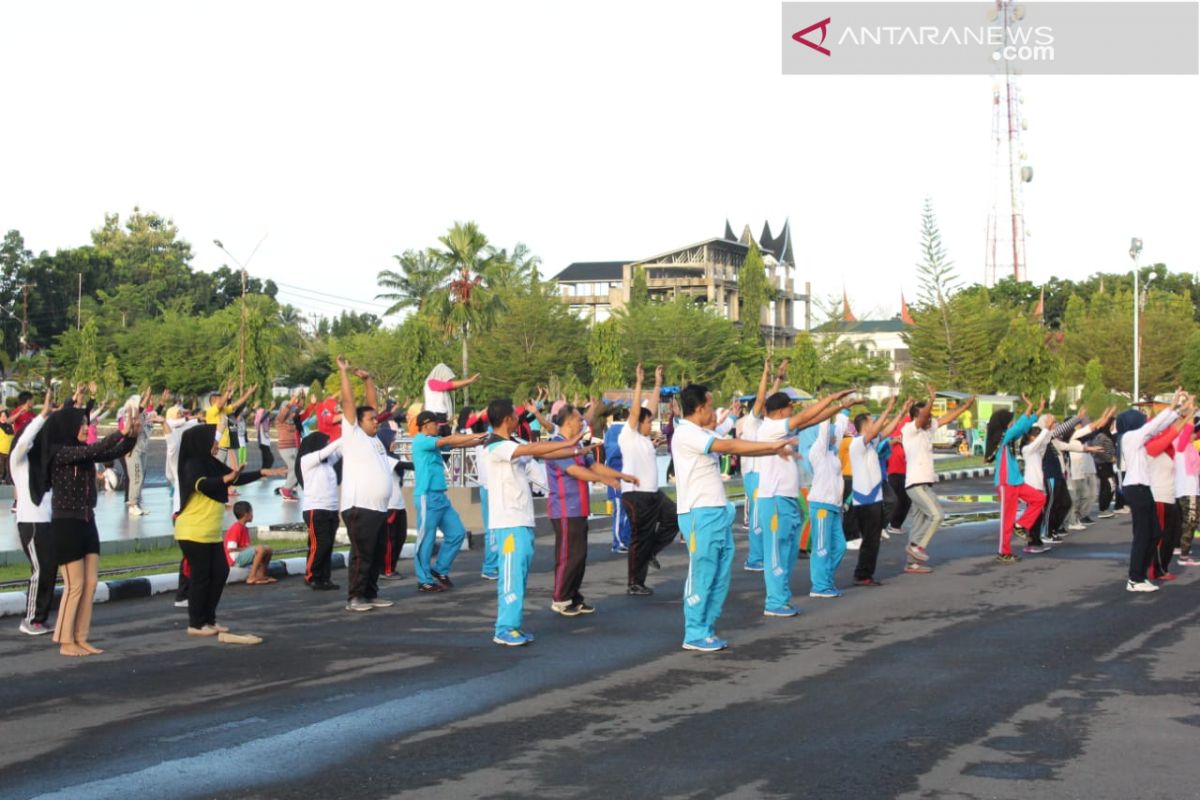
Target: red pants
[[1009, 497]]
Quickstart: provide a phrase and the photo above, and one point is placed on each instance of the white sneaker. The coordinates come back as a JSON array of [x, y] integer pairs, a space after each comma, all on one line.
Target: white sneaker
[[1077, 527], [893, 530], [885, 535], [1143, 586], [137, 511], [181, 603], [1120, 510], [1105, 515], [854, 544]]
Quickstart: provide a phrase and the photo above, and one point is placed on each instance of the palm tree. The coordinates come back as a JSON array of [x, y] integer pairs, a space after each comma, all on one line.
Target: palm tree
[[420, 275], [469, 301], [520, 269]]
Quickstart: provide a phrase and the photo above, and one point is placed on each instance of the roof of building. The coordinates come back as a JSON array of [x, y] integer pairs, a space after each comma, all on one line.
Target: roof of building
[[779, 246], [895, 325], [592, 271]]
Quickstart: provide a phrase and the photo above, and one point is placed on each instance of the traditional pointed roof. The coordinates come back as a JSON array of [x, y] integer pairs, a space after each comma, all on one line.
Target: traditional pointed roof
[[767, 241], [905, 317], [778, 246], [847, 314], [729, 232], [747, 236]]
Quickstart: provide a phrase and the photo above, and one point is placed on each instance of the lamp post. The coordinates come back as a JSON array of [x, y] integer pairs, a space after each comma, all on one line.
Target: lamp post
[[242, 330], [1135, 249]]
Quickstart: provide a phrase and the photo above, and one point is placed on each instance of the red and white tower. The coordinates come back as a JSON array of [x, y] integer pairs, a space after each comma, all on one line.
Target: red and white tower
[[1006, 223]]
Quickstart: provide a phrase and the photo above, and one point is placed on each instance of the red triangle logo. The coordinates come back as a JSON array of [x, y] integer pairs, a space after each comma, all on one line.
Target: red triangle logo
[[824, 26]]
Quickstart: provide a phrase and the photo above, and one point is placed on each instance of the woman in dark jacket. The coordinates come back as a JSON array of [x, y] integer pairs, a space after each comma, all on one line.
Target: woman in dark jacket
[[65, 464]]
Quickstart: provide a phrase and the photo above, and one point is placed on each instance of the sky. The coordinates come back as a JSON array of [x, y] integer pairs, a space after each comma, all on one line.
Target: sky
[[346, 133]]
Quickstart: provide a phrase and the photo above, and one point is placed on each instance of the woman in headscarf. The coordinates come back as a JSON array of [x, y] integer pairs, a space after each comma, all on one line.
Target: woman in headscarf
[[62, 463], [203, 491], [438, 386], [317, 475]]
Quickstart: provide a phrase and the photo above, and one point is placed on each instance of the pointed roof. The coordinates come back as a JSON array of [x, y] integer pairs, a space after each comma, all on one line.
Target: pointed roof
[[847, 314], [767, 241], [905, 317], [778, 246], [729, 232]]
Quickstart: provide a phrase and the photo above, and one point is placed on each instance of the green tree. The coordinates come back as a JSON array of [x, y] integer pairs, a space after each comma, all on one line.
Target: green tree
[[689, 339], [1189, 372], [754, 293], [733, 384], [604, 355], [1022, 363], [639, 290], [421, 273], [804, 363]]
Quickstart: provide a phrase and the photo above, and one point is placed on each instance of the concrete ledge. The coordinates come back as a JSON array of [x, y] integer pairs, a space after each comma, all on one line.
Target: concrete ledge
[[965, 474]]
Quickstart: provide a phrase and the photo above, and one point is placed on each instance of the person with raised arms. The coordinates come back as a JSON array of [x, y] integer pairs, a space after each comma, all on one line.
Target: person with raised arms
[[867, 486], [748, 431], [510, 514], [927, 514], [705, 514]]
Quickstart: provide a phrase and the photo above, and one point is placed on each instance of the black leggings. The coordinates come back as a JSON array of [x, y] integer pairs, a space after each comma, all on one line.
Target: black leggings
[[268, 458], [1146, 530], [209, 570], [1108, 485], [903, 503], [397, 533]]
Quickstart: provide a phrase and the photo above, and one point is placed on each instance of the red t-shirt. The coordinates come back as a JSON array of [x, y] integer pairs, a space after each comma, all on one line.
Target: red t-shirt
[[897, 463], [325, 419], [236, 538]]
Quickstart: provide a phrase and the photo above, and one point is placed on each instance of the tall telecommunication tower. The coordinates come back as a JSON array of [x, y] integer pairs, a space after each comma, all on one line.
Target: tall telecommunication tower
[[1006, 223]]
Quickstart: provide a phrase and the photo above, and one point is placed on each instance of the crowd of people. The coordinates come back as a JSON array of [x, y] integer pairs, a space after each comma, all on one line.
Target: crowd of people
[[817, 482]]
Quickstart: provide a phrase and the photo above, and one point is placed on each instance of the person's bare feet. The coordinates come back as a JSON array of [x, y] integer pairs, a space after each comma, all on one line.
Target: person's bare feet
[[92, 649], [72, 649]]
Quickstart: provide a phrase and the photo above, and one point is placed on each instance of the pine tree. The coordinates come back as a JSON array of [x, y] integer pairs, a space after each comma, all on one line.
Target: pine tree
[[639, 291], [754, 294]]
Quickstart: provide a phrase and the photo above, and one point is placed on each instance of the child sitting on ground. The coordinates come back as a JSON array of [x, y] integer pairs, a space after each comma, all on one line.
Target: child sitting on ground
[[238, 549]]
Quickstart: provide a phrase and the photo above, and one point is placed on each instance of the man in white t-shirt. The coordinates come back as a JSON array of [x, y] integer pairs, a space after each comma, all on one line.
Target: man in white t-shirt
[[510, 513], [927, 514], [867, 486], [705, 515], [747, 429], [366, 490], [654, 522], [778, 514]]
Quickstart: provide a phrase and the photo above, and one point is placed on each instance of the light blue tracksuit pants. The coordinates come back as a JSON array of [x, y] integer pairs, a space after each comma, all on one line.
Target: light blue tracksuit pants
[[622, 528], [434, 511], [709, 535], [828, 545], [491, 549], [516, 554], [779, 531], [750, 483]]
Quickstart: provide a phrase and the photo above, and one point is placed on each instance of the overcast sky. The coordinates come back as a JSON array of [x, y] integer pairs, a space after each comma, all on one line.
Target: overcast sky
[[349, 132]]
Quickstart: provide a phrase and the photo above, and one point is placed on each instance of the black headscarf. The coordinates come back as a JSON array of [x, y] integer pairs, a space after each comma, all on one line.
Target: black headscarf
[[310, 444], [61, 430], [196, 462], [996, 427]]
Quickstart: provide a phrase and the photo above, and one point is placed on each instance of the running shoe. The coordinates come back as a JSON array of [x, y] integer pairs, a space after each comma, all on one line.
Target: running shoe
[[917, 569], [1105, 515], [1120, 510], [181, 603], [1006, 558], [639, 591], [1035, 549], [709, 644], [1188, 561], [1077, 527], [1140, 586], [854, 544], [512, 638], [1053, 538], [1088, 521], [33, 628], [883, 534], [288, 495], [753, 566], [490, 576], [444, 580], [620, 549], [359, 604], [379, 602], [1168, 576], [1020, 533], [825, 593], [783, 611], [917, 552], [566, 608]]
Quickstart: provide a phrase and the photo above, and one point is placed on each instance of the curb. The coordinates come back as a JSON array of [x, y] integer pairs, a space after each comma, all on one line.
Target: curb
[[965, 474], [14, 603]]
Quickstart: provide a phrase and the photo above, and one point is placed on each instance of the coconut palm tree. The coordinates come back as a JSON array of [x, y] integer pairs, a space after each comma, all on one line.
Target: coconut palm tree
[[421, 274], [469, 301]]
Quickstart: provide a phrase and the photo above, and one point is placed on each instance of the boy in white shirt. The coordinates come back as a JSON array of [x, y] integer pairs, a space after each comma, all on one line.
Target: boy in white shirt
[[705, 515], [867, 485], [510, 513]]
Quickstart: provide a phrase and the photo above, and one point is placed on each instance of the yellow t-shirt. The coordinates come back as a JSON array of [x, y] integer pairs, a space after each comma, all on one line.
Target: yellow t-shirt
[[844, 455], [6, 440], [212, 415], [966, 420], [202, 519]]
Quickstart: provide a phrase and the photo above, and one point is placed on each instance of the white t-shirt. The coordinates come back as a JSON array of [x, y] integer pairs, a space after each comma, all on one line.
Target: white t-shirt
[[777, 476], [1133, 448], [366, 470], [866, 481], [1033, 453], [510, 502], [438, 402], [396, 501], [638, 458], [1162, 478], [480, 465], [1185, 485], [748, 431], [18, 464], [918, 450], [697, 468], [320, 481]]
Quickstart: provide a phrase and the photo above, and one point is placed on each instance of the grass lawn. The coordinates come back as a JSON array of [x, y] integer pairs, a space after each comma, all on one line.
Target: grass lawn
[[143, 562], [958, 462]]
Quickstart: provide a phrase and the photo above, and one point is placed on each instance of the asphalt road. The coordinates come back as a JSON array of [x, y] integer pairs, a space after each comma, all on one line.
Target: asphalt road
[[1044, 680]]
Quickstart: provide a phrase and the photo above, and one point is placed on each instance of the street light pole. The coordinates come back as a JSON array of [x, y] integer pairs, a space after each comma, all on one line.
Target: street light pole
[[1135, 249]]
